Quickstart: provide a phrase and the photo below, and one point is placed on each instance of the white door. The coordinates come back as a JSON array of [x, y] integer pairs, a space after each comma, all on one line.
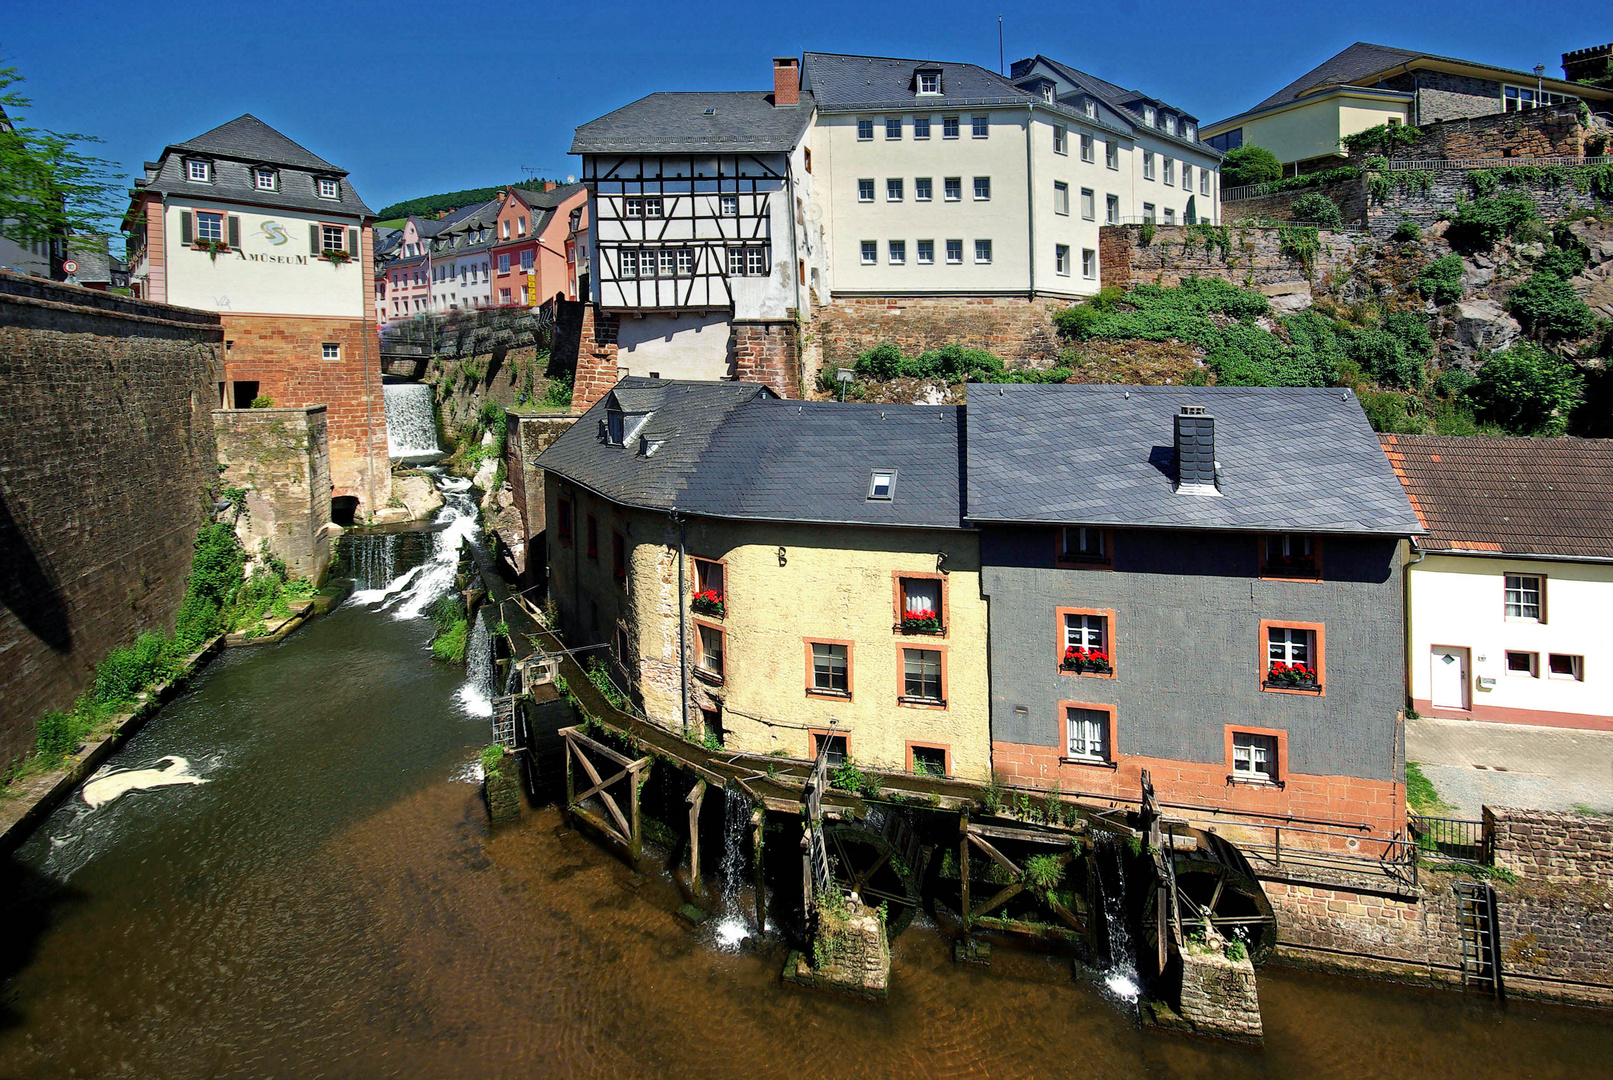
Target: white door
[[1449, 677]]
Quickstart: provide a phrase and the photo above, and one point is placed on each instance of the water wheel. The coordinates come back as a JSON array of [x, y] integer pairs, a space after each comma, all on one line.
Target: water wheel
[[878, 860], [1215, 882]]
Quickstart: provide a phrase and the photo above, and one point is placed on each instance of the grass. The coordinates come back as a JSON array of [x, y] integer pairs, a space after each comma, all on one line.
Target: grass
[[1421, 795]]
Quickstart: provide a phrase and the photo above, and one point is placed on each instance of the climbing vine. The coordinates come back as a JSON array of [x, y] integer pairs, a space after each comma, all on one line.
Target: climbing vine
[[1300, 243]]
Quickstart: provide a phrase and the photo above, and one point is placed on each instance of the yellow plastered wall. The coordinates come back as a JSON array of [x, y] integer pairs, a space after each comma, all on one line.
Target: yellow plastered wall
[[1313, 130]]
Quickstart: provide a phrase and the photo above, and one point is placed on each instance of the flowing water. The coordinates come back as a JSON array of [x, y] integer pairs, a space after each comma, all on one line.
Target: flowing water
[[476, 696], [411, 426], [1120, 975], [331, 903], [733, 920]]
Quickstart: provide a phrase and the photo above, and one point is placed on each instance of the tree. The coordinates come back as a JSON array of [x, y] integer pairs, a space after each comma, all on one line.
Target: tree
[[1527, 390], [48, 188], [1249, 164], [1317, 209]]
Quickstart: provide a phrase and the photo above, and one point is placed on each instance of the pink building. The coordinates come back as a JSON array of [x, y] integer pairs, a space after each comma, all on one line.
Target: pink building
[[529, 250]]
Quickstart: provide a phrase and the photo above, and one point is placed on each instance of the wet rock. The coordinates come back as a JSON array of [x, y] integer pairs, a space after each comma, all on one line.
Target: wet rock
[[418, 495], [390, 515], [484, 475], [1483, 324]]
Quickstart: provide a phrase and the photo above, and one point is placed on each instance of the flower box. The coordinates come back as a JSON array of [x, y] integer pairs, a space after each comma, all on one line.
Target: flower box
[[1086, 661], [709, 602], [336, 256], [921, 622], [1282, 676]]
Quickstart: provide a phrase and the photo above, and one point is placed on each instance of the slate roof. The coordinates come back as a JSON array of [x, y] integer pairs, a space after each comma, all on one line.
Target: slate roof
[[839, 81], [1125, 105], [1292, 458], [1509, 496], [675, 123], [735, 450], [235, 149]]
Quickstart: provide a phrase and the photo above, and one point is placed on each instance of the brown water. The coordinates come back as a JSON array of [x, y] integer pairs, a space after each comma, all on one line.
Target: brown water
[[331, 903]]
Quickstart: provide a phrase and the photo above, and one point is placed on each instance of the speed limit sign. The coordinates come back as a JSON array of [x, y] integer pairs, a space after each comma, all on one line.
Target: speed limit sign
[[69, 267]]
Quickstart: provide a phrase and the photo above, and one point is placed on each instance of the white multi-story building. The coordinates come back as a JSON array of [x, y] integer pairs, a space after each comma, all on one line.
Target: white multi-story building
[[1508, 595]]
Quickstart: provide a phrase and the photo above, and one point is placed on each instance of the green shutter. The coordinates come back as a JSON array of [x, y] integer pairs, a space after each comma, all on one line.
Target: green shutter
[[235, 232], [186, 236], [313, 238], [352, 242]]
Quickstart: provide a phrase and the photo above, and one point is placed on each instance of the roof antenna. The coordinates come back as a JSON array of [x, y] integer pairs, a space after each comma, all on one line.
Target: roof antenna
[[1001, 65]]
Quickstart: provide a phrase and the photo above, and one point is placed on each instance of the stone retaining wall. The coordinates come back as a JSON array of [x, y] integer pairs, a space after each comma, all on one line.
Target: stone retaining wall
[[1550, 846], [282, 458], [1553, 132], [1350, 195], [1012, 327], [1253, 260]]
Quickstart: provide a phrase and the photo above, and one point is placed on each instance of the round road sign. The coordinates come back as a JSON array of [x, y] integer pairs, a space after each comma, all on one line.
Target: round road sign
[[69, 267]]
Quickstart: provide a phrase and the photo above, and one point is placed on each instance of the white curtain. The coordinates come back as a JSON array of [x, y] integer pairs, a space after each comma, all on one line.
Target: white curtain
[[921, 595]]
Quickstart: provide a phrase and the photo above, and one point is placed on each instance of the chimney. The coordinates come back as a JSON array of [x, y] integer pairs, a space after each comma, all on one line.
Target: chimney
[[786, 81], [549, 185], [1195, 452]]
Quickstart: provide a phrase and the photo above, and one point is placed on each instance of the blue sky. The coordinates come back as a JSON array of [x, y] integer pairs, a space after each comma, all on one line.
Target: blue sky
[[415, 98]]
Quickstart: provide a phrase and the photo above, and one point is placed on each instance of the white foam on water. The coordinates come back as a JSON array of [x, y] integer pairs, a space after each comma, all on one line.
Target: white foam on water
[[730, 930], [105, 786], [1122, 986]]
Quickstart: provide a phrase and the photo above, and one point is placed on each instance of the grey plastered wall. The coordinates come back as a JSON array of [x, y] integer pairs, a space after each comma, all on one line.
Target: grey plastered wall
[[1187, 650]]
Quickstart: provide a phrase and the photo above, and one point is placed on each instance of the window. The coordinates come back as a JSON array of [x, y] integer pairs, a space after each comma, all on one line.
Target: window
[[685, 261], [921, 189], [1564, 666], [668, 261], [709, 578], [1187, 177], [921, 676], [1089, 204], [520, 225], [1204, 181], [1291, 555], [1254, 757], [1170, 215], [1111, 209], [893, 127], [1088, 732], [618, 556], [954, 251], [929, 761], [593, 537], [898, 252], [1148, 164], [263, 179], [1089, 264], [210, 227], [1520, 99], [1395, 121], [952, 188], [756, 261], [1170, 125], [881, 485], [1148, 115], [504, 263], [1061, 140], [1061, 197], [629, 259], [199, 171], [1168, 168], [893, 189], [1189, 133], [1047, 93], [728, 205], [831, 668], [982, 251], [333, 238], [526, 260], [1293, 657], [504, 296], [711, 650], [1524, 664], [328, 188], [1087, 148], [926, 252], [835, 752], [631, 208], [865, 130], [929, 82], [1086, 631], [652, 208], [949, 127], [1148, 211], [979, 127], [1523, 597], [921, 127], [330, 350], [982, 188], [865, 190], [1061, 259], [870, 252]]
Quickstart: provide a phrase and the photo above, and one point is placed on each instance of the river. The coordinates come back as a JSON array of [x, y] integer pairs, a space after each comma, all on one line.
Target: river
[[331, 903]]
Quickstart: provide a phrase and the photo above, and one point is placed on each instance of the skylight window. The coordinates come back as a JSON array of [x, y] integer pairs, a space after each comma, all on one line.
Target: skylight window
[[881, 484]]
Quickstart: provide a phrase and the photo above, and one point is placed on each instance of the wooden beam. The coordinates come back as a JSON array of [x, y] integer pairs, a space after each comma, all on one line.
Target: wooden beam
[[998, 857], [1003, 832], [604, 796], [697, 797], [963, 865], [1005, 894], [758, 824]]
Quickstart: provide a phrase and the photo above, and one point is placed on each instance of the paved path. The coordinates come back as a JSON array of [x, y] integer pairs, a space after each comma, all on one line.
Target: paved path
[[1537, 767]]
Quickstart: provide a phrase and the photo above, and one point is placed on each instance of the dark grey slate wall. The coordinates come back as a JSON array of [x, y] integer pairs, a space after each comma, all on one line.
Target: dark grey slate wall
[[1187, 650], [1449, 97]]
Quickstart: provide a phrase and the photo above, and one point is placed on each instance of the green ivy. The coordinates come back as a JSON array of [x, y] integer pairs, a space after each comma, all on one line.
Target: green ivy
[[1383, 139]]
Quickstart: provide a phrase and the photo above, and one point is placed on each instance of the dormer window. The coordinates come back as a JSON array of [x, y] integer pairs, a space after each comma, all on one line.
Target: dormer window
[[881, 485], [1047, 92], [1091, 108], [1148, 115], [622, 427], [1170, 125], [1190, 133], [200, 172], [929, 82], [264, 179], [328, 188]]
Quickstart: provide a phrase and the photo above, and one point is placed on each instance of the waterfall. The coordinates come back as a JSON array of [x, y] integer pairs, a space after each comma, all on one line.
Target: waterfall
[[410, 593], [477, 694], [372, 560], [733, 927], [411, 429], [1120, 976]]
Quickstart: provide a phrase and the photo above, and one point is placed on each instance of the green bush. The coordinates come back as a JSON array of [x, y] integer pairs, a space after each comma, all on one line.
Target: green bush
[[449, 645], [1527, 391], [1381, 139], [57, 735], [1390, 411], [1480, 224], [1441, 280], [1317, 209], [1412, 329], [1043, 872], [129, 669], [261, 402], [1408, 232], [1249, 164], [1383, 355], [1548, 308], [1453, 383], [1564, 262], [558, 393], [492, 758]]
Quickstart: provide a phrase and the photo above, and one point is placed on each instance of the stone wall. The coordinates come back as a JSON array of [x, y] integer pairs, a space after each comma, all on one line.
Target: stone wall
[[282, 458], [1254, 260], [1451, 186], [770, 353], [106, 451], [1445, 96], [1350, 195], [1218, 995], [1404, 933], [526, 435], [596, 367], [1554, 942], [1553, 132], [1012, 327], [1554, 847]]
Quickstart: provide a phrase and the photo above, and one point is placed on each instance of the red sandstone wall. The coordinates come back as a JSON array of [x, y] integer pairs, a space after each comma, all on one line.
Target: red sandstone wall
[[597, 371], [282, 353], [1013, 328], [770, 353]]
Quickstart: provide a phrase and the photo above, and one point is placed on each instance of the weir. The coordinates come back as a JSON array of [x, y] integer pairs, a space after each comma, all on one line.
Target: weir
[[411, 425]]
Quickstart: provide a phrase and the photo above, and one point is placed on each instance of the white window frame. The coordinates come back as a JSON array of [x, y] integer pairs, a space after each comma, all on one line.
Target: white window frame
[[1149, 115], [728, 205], [894, 189], [986, 250], [205, 168], [1061, 198], [330, 350], [949, 127], [1170, 215], [929, 82], [865, 189], [896, 252], [893, 124], [1532, 671], [870, 252], [1089, 264], [1167, 171], [527, 259], [265, 179], [923, 189], [1524, 597], [1089, 204], [921, 128], [1187, 176], [685, 261], [1148, 165], [1087, 734], [1249, 752], [1290, 645], [333, 238], [925, 254], [1204, 181], [979, 127], [1061, 140], [1148, 211], [1061, 259], [952, 188], [930, 666], [955, 247], [865, 129], [982, 184], [1111, 155], [328, 188], [828, 666], [215, 221], [1088, 153], [1111, 209]]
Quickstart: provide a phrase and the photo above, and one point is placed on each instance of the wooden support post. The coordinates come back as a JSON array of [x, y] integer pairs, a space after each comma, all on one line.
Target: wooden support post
[[571, 785], [758, 822], [697, 797], [636, 841], [963, 865]]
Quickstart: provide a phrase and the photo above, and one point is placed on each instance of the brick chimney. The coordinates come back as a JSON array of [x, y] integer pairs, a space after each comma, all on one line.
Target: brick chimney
[[786, 81], [1195, 452], [550, 185]]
